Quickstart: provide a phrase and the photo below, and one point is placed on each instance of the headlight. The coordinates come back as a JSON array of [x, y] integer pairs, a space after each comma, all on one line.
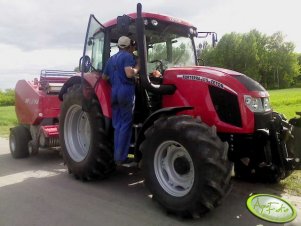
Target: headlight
[[257, 104], [266, 104]]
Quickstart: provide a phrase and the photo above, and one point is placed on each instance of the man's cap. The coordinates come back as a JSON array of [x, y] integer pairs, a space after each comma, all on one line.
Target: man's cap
[[124, 42]]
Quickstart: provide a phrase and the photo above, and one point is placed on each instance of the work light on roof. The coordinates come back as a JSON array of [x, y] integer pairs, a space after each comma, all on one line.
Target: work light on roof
[[154, 22]]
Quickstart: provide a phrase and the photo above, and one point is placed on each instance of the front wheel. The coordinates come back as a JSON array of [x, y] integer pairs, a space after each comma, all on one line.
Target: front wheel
[[185, 165]]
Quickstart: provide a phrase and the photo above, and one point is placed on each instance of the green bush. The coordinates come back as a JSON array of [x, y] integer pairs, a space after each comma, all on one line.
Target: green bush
[[7, 97]]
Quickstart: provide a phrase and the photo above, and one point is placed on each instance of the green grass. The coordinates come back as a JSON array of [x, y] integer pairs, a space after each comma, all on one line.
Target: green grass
[[292, 184], [286, 101], [8, 120]]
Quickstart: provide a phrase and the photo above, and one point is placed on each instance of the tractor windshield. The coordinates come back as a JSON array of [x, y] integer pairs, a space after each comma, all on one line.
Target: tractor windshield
[[171, 44], [172, 52]]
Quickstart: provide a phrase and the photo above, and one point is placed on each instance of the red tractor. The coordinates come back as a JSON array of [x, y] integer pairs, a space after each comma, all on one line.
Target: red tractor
[[190, 124]]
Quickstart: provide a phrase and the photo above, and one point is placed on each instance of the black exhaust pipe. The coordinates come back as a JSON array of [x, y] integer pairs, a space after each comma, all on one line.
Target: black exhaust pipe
[[145, 81]]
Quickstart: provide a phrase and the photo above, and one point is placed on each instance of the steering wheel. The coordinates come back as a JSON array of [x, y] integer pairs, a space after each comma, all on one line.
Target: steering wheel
[[159, 65]]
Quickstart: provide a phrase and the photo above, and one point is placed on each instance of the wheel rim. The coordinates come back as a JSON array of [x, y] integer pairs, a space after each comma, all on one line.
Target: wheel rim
[[77, 131], [12, 143], [174, 168]]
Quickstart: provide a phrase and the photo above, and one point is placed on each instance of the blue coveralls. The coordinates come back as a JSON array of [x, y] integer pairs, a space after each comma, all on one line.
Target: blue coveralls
[[122, 100]]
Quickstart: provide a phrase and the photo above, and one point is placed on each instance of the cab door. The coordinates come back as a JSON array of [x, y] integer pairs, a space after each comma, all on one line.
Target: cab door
[[92, 64], [93, 54]]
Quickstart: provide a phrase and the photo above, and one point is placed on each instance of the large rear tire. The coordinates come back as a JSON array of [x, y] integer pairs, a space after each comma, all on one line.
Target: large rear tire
[[185, 165], [18, 142], [86, 149]]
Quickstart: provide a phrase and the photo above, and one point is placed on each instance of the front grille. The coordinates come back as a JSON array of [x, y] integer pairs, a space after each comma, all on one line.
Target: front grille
[[226, 105]]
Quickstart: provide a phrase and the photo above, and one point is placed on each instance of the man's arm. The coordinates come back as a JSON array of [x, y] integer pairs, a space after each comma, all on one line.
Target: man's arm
[[105, 74], [131, 71]]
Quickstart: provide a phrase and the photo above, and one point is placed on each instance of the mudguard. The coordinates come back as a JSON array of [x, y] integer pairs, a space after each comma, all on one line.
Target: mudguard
[[153, 117], [95, 87], [72, 81]]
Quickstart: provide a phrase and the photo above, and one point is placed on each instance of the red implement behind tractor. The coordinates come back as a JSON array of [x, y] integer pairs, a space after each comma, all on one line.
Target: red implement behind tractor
[[37, 109], [191, 124]]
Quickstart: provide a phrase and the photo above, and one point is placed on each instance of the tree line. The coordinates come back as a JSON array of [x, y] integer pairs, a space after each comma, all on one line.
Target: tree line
[[270, 60], [7, 97]]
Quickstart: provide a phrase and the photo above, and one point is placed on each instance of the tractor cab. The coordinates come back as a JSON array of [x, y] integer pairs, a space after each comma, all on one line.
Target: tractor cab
[[168, 41], [162, 42]]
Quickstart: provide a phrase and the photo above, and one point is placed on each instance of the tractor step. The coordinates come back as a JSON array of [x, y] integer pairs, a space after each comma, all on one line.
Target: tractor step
[[136, 128]]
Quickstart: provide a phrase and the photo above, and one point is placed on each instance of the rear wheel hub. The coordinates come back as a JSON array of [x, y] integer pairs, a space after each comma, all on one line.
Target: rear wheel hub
[[77, 133]]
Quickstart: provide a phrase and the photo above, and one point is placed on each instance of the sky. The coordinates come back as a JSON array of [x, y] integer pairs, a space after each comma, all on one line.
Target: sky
[[49, 34]]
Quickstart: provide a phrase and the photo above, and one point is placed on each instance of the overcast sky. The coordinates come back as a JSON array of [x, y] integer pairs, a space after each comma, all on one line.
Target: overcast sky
[[49, 34]]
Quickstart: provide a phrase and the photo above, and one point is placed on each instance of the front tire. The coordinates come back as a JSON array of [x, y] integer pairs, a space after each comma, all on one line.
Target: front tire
[[86, 149], [185, 165]]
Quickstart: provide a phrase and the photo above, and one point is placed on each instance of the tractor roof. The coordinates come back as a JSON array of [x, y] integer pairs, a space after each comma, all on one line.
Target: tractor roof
[[152, 16]]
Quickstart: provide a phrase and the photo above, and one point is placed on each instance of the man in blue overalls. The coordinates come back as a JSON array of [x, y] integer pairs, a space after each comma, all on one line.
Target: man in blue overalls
[[121, 69]]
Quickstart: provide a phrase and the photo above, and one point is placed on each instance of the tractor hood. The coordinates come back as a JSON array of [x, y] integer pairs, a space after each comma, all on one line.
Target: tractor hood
[[219, 96], [249, 83], [229, 80]]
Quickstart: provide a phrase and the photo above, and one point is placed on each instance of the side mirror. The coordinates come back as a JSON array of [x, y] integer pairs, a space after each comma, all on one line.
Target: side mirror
[[84, 64], [123, 24], [205, 35]]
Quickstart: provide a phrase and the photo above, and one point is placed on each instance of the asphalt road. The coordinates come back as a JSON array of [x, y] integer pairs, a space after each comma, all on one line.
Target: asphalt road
[[39, 191]]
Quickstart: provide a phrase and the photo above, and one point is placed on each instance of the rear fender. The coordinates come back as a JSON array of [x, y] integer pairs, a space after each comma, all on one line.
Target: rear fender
[[70, 82], [100, 89], [90, 80], [103, 94]]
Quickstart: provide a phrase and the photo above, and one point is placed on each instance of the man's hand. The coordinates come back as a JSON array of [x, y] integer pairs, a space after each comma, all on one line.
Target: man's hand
[[105, 77], [156, 73], [131, 71]]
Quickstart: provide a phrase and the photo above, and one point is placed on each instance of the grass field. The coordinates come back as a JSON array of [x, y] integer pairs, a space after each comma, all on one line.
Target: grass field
[[8, 120], [286, 101]]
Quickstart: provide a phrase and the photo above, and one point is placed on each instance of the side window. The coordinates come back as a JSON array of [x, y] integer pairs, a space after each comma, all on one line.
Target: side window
[[114, 48], [157, 51], [97, 51], [94, 43]]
